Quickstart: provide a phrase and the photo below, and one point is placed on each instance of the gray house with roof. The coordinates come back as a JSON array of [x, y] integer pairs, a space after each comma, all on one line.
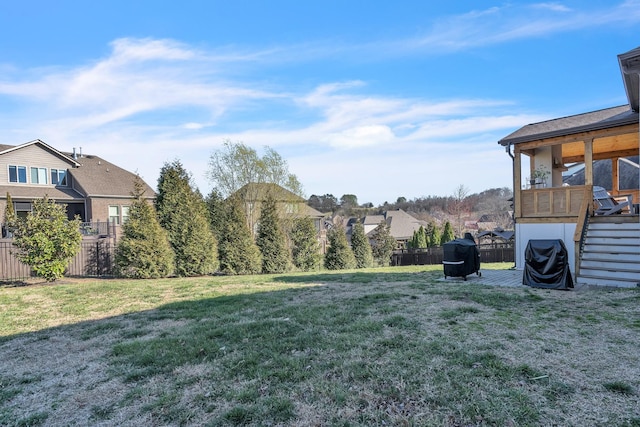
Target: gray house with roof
[[602, 249], [92, 188], [401, 225]]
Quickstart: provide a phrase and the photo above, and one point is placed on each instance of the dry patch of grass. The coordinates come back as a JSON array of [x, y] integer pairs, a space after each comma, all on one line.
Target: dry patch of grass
[[376, 347]]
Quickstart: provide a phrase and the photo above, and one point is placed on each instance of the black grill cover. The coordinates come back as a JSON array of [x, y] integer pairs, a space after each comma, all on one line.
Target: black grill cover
[[546, 265], [460, 257]]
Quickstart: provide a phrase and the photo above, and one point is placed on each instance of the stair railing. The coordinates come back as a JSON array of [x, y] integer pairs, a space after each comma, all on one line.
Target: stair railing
[[582, 226]]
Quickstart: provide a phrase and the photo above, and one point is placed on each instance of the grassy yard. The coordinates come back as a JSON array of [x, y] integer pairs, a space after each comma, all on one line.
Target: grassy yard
[[379, 347]]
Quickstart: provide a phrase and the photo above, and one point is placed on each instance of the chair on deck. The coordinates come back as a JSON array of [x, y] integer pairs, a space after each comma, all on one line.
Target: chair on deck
[[607, 205]]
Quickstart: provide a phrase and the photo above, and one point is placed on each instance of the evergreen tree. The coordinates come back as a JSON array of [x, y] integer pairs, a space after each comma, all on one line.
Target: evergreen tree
[[413, 241], [447, 233], [418, 239], [216, 212], [144, 251], [361, 247], [383, 244], [182, 212], [46, 239], [421, 238], [10, 218], [305, 247], [271, 240], [237, 251], [433, 234], [339, 255]]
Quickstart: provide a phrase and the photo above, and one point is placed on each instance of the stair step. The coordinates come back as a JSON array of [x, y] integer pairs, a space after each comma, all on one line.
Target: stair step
[[629, 241], [611, 256], [601, 281], [611, 265], [611, 253], [621, 234], [614, 226], [610, 273]]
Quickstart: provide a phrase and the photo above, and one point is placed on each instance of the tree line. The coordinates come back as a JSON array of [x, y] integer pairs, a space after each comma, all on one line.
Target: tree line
[[493, 205], [181, 233]]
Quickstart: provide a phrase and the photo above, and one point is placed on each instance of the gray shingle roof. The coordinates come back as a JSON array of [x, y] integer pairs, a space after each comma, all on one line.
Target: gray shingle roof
[[373, 219], [595, 120], [34, 192], [94, 177], [98, 177], [258, 192], [402, 225]]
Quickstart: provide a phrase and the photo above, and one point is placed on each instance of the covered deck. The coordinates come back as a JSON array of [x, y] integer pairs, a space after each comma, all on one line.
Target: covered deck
[[558, 163]]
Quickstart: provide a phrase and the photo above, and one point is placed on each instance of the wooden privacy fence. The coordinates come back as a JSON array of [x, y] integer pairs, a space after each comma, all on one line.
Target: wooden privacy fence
[[95, 259], [433, 256]]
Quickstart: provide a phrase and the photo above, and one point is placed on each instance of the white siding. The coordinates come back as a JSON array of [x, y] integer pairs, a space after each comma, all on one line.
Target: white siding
[[562, 231], [31, 156]]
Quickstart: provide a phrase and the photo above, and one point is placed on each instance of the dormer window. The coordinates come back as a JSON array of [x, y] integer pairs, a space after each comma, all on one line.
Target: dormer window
[[59, 177], [18, 174]]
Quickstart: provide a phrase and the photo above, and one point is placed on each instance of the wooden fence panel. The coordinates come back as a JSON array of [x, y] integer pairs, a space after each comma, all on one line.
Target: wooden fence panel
[[434, 256], [95, 259], [10, 267]]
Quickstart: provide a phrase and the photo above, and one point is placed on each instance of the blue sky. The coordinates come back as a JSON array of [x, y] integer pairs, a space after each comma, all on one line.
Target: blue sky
[[373, 98]]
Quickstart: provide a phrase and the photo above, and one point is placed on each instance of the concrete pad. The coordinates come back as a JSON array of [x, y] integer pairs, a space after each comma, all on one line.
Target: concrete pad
[[509, 278]]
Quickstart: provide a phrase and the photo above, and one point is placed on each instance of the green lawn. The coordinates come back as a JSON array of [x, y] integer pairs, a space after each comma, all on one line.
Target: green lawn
[[391, 346]]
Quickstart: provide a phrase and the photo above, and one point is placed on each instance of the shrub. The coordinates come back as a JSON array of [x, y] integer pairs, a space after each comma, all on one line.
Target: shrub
[[361, 247], [271, 240], [339, 255], [305, 248], [383, 244], [144, 251], [46, 239]]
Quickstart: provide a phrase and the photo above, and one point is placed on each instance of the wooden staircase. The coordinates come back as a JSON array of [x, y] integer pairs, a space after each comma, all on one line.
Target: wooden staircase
[[611, 252]]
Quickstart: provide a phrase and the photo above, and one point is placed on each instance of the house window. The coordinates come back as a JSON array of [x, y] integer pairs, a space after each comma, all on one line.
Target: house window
[[114, 214], [125, 214], [22, 209], [18, 174], [38, 175], [58, 177]]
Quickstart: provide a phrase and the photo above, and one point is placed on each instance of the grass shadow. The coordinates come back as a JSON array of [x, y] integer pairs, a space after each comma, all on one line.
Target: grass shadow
[[349, 348]]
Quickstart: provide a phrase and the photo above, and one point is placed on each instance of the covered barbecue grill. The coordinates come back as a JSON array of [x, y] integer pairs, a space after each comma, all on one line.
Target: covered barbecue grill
[[461, 257], [547, 265]]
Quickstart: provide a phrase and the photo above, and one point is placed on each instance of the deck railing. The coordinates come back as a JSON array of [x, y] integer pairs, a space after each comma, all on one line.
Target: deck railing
[[558, 202], [581, 230], [98, 228], [553, 202]]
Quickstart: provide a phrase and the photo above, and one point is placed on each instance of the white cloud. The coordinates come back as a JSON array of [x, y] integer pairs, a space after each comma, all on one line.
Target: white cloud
[[193, 125], [361, 137], [555, 7], [151, 101], [512, 21]]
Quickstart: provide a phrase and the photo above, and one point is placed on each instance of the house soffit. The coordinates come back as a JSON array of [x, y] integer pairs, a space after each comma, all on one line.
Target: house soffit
[[630, 69], [614, 142]]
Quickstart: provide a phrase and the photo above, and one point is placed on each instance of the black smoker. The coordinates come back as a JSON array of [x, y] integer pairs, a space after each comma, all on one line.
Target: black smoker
[[461, 257]]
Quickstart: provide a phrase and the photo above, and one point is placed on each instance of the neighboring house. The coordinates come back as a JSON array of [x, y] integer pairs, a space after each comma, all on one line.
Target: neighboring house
[[486, 222], [555, 210], [92, 188], [371, 222], [289, 205], [401, 225], [471, 225], [496, 237]]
